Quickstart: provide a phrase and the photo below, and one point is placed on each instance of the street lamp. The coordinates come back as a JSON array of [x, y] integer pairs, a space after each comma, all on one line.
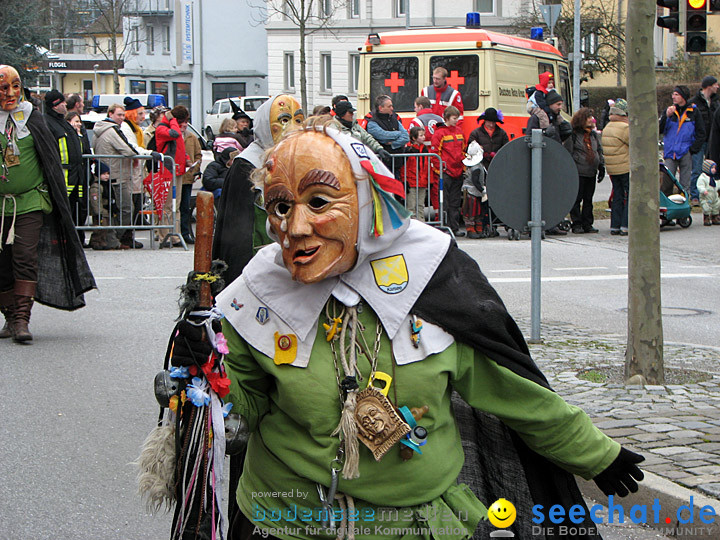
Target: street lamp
[[97, 88]]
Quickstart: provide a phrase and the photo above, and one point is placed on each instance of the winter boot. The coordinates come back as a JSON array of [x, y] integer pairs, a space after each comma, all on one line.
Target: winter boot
[[7, 307], [128, 239], [716, 219], [706, 220], [24, 293]]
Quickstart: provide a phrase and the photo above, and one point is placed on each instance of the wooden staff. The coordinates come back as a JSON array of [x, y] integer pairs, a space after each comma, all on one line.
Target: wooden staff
[[203, 242]]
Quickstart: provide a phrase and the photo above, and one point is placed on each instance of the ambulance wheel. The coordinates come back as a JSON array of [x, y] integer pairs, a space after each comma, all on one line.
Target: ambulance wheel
[[685, 222]]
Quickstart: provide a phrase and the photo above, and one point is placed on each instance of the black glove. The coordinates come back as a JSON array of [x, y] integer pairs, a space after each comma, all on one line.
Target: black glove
[[190, 346], [601, 173], [157, 156], [384, 155], [621, 474]]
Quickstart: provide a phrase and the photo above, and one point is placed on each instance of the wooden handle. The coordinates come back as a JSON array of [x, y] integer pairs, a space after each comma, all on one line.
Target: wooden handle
[[205, 210]]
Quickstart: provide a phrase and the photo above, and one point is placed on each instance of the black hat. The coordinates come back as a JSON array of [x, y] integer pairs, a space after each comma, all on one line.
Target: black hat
[[708, 81], [552, 97], [241, 114], [684, 91], [98, 168], [54, 98], [343, 107], [492, 115], [131, 103]]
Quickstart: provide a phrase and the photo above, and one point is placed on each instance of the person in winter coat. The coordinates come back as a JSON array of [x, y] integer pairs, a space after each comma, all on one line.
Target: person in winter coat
[[616, 149], [415, 174], [345, 122], [214, 175], [708, 186], [227, 138], [683, 133], [244, 128], [194, 157], [536, 103], [489, 135], [449, 143], [169, 139], [586, 150], [474, 208], [428, 120], [706, 102], [386, 128]]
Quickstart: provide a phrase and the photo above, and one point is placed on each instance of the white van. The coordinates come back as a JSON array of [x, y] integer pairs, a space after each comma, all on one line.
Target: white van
[[221, 110]]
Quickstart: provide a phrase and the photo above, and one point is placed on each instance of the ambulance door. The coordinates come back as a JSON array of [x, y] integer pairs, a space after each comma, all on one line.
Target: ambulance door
[[397, 76], [464, 74]]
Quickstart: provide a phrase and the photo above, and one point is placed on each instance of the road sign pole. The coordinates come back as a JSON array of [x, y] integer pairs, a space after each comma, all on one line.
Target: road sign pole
[[536, 230]]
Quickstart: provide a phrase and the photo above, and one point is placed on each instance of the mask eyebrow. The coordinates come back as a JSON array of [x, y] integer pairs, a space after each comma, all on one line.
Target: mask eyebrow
[[318, 176], [277, 193]]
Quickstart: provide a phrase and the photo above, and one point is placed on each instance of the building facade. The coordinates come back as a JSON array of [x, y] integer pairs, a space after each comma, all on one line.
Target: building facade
[[194, 52], [332, 54]]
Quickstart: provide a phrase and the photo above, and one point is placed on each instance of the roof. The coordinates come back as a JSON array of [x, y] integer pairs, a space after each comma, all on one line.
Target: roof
[[457, 35]]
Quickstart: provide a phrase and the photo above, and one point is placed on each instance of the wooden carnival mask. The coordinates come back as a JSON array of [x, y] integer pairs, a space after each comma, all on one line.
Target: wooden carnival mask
[[312, 205], [285, 115], [11, 92]]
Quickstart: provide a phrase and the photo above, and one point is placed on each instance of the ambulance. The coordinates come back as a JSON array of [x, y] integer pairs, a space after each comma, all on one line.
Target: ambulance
[[489, 69]]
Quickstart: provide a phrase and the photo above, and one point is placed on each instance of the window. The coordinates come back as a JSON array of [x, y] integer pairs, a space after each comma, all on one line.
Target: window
[[353, 72], [463, 76], [138, 87], [396, 77], [565, 89], [215, 108], [253, 104], [326, 8], [289, 71], [160, 88], [400, 8], [543, 67], [484, 6], [226, 90], [224, 107], [134, 41], [181, 92], [354, 9], [325, 72], [150, 37], [589, 45], [166, 40]]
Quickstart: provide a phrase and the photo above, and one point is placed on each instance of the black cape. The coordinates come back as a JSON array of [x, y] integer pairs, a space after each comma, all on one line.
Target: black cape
[[498, 463], [63, 272]]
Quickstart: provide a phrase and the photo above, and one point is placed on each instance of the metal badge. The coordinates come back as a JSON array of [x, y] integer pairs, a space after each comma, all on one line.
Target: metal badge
[[379, 425], [263, 315]]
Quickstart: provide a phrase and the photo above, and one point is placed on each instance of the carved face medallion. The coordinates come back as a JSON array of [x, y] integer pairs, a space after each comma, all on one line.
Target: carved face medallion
[[379, 425]]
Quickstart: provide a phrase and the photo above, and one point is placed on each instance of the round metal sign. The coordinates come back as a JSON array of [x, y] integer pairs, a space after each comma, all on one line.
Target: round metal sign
[[509, 183]]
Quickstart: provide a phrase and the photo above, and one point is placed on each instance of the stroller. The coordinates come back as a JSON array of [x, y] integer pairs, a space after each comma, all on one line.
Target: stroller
[[674, 200]]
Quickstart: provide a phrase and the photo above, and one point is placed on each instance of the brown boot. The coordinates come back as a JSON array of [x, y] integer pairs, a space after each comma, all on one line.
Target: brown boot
[[716, 219], [706, 220], [7, 307], [24, 292]]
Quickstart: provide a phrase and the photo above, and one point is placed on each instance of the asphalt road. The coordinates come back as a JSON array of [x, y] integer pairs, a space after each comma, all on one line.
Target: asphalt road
[[78, 402]]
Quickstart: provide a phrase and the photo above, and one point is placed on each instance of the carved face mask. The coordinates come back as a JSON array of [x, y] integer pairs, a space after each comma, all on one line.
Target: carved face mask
[[11, 93], [285, 115], [312, 205]]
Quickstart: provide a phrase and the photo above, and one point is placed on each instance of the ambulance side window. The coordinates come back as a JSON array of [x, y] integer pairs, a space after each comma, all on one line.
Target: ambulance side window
[[565, 89], [462, 75], [543, 67], [398, 78]]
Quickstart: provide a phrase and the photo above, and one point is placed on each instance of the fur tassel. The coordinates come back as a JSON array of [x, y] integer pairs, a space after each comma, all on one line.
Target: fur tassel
[[156, 477], [348, 427]]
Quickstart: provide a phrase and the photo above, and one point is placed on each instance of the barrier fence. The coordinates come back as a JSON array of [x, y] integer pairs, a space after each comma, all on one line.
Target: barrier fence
[[124, 194]]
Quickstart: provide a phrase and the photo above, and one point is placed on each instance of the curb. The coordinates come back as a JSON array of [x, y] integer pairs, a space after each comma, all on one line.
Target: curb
[[671, 497]]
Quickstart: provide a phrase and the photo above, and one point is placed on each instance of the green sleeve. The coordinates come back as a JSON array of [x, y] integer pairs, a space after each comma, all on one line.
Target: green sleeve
[[249, 383], [260, 235], [553, 428]]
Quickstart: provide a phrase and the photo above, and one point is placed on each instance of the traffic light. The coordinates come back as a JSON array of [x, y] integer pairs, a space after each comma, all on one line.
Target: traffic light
[[696, 26], [672, 20]]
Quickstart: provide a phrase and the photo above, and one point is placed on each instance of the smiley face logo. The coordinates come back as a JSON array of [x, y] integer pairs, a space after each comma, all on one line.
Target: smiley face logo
[[502, 513]]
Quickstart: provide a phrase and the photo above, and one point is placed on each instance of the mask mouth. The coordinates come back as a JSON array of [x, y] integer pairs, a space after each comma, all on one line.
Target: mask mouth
[[303, 256]]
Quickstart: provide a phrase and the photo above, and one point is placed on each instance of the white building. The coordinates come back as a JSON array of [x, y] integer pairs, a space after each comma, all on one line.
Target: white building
[[195, 52], [332, 55]]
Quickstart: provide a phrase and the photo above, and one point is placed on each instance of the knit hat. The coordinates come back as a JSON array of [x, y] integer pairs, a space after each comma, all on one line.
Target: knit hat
[[707, 165], [54, 98], [131, 103], [98, 168], [684, 91], [708, 81], [343, 107], [492, 114], [620, 107], [552, 97]]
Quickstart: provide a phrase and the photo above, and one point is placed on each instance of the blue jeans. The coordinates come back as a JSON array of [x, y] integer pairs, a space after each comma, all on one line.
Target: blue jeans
[[185, 210], [697, 161], [619, 205]]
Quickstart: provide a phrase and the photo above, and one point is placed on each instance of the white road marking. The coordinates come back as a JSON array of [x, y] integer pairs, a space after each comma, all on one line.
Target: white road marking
[[582, 268], [139, 277], [512, 270], [608, 277]]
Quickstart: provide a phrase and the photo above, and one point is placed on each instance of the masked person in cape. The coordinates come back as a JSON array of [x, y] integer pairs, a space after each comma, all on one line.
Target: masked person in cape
[[41, 257], [346, 341]]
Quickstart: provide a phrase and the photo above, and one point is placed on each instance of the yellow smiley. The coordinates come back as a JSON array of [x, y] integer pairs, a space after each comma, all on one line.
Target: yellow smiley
[[502, 513]]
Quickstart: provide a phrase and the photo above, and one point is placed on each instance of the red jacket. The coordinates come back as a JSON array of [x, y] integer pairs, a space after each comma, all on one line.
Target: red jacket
[[416, 171], [442, 98], [450, 144], [163, 137]]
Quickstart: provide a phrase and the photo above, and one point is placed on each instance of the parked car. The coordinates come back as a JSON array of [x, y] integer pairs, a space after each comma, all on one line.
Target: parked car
[[222, 109]]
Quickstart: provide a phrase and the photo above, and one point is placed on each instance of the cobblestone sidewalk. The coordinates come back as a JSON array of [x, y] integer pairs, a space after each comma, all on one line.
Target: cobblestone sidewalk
[[676, 427]]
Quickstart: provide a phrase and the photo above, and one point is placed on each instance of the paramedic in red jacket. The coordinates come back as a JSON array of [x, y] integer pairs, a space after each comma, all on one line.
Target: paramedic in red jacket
[[442, 95]]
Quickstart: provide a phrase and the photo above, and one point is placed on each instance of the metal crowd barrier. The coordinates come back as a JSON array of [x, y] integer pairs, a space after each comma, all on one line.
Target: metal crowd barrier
[[399, 168], [108, 205]]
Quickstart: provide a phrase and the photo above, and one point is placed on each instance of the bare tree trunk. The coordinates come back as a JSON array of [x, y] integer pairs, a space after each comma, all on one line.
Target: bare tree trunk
[[303, 73], [644, 354]]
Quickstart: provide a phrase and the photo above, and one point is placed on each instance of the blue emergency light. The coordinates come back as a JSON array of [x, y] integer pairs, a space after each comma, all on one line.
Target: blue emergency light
[[472, 20], [536, 32]]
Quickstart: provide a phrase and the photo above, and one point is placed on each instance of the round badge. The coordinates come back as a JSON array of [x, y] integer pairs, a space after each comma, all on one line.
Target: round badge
[[284, 343]]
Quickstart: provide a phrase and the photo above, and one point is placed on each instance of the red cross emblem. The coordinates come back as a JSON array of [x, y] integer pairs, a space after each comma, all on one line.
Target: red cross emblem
[[395, 82], [455, 80]]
